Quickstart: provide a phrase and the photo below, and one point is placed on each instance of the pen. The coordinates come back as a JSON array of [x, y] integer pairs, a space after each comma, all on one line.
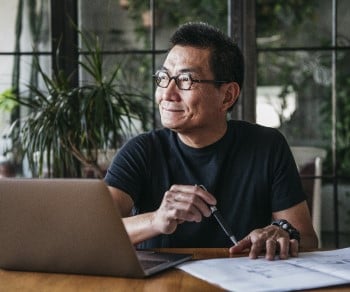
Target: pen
[[221, 221]]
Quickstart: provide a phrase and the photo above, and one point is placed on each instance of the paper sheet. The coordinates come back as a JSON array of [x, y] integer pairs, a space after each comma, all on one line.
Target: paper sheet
[[309, 270]]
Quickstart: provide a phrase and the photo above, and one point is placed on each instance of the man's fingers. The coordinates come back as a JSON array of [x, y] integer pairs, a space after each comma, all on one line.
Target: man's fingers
[[283, 247], [194, 190], [185, 203], [272, 247], [294, 248], [241, 246], [257, 248], [185, 212], [270, 241]]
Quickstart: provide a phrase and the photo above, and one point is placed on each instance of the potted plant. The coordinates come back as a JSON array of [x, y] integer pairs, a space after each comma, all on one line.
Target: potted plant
[[68, 128]]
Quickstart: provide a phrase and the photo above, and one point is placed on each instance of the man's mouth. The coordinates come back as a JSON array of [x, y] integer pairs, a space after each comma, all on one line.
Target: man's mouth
[[171, 108]]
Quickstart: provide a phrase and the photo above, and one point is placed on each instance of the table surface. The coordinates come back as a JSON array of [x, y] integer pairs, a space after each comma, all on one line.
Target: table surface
[[170, 280]]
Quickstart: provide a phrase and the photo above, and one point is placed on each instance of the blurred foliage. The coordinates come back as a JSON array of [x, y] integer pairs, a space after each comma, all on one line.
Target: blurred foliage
[[8, 101], [275, 16]]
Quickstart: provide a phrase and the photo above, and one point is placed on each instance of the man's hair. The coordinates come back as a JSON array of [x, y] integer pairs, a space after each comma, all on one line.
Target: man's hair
[[226, 62]]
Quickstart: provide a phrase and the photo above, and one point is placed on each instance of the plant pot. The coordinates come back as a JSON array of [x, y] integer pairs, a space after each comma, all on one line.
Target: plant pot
[[104, 159]]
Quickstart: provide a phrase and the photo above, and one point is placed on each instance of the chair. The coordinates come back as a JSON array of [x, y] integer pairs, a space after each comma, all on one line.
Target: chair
[[309, 162]]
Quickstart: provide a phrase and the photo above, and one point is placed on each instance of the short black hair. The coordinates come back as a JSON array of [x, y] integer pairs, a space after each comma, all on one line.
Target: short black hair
[[226, 62]]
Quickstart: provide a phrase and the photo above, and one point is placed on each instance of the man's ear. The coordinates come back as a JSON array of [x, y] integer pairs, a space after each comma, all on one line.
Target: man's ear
[[232, 91]]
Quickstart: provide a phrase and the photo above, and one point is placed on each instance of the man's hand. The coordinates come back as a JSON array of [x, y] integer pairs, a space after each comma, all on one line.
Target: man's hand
[[182, 203], [272, 240]]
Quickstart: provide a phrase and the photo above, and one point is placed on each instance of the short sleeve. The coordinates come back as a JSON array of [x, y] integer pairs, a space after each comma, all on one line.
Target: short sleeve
[[128, 170]]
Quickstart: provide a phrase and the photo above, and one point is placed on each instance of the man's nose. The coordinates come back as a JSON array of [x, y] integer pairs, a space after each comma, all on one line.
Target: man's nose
[[172, 83], [171, 92], [172, 86]]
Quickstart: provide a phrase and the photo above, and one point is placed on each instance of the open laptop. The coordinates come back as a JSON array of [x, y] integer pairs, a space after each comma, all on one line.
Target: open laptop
[[70, 226]]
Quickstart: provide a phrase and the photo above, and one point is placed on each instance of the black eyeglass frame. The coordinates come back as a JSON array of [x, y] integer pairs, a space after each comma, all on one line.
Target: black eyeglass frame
[[156, 78]]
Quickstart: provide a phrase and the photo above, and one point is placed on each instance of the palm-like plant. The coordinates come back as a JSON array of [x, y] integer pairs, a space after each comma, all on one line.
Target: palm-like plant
[[69, 126]]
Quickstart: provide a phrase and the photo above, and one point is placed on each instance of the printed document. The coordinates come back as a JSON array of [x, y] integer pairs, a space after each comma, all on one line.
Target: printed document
[[309, 270]]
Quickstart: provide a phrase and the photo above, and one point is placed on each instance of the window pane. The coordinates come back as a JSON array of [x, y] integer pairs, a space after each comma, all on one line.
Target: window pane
[[5, 106], [27, 75], [293, 23], [294, 95], [171, 14], [34, 24], [343, 113], [5, 72], [127, 24], [343, 23], [115, 24], [7, 19]]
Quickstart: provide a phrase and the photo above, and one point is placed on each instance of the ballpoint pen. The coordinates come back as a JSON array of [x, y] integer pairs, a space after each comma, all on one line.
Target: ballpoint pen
[[221, 220]]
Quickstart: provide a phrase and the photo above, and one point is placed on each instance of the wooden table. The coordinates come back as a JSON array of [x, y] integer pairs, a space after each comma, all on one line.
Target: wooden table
[[170, 280]]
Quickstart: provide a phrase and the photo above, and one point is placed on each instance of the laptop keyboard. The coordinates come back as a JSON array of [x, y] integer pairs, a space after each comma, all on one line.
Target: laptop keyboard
[[147, 264], [150, 259]]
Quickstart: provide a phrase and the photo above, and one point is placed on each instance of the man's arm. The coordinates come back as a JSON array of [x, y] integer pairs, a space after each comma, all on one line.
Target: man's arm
[[272, 239], [139, 228], [180, 203], [122, 201], [299, 216]]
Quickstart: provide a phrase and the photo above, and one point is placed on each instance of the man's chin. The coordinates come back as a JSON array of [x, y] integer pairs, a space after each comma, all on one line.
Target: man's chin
[[172, 126]]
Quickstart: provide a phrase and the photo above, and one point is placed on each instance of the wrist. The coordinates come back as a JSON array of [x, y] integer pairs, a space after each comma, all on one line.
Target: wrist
[[289, 228], [161, 224]]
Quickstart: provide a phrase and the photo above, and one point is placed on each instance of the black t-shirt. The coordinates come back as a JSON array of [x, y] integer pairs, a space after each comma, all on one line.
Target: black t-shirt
[[250, 171]]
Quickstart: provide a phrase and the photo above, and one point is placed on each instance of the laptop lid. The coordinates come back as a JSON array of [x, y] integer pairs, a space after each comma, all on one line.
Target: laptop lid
[[67, 226]]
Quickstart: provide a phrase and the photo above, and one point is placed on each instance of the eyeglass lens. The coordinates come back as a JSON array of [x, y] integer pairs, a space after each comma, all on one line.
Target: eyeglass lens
[[183, 81]]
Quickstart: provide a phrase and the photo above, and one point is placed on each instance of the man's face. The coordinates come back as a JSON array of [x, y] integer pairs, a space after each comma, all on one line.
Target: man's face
[[199, 107]]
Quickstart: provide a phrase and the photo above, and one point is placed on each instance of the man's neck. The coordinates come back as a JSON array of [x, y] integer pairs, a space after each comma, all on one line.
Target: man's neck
[[200, 139]]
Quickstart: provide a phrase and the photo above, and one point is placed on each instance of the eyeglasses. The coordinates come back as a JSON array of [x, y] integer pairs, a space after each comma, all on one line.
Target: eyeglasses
[[183, 81]]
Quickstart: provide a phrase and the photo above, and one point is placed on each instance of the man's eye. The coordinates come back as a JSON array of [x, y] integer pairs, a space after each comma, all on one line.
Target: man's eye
[[184, 78], [162, 75]]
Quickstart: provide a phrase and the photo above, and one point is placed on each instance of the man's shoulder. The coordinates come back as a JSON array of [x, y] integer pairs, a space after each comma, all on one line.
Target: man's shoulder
[[245, 127], [254, 135]]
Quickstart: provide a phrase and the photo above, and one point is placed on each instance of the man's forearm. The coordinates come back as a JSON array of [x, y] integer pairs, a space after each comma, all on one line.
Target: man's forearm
[[140, 227]]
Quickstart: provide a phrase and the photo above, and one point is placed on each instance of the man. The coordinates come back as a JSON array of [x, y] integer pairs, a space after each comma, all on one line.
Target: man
[[246, 170]]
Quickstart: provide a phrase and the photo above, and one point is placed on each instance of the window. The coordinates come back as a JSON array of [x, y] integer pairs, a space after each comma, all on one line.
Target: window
[[25, 35]]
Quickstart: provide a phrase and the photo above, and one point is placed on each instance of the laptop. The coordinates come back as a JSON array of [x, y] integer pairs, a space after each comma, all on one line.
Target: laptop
[[70, 226]]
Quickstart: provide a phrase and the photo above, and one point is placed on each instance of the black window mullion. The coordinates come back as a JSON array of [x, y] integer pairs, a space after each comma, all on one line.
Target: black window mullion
[[65, 38]]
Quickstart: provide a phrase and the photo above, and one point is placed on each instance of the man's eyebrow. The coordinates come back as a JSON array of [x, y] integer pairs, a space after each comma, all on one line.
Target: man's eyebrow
[[184, 70]]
